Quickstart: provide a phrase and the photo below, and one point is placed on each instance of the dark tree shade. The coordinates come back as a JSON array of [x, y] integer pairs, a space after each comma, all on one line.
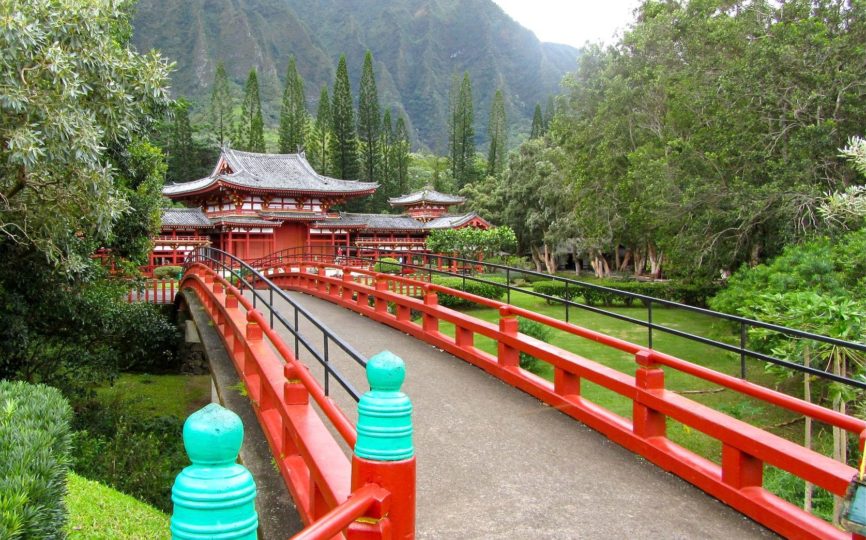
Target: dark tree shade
[[344, 142]]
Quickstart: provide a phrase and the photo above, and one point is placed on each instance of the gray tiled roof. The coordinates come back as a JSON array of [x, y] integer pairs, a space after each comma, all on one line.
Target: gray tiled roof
[[287, 214], [286, 172], [184, 217], [374, 221], [449, 221], [426, 194], [244, 220]]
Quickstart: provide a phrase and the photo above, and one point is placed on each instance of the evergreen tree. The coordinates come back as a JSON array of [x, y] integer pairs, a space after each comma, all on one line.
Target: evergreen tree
[[387, 176], [537, 130], [293, 114], [549, 112], [180, 147], [454, 152], [369, 122], [401, 157], [321, 133], [221, 105], [250, 133], [497, 132], [344, 143], [462, 133]]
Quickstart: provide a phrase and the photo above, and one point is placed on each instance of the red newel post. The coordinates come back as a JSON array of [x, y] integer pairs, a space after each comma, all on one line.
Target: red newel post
[[430, 322], [508, 356], [648, 377]]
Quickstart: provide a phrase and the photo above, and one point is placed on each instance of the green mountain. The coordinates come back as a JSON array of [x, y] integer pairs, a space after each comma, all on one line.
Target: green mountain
[[417, 45]]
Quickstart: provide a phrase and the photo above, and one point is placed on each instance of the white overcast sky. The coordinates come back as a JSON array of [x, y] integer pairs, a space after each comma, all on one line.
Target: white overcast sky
[[573, 22]]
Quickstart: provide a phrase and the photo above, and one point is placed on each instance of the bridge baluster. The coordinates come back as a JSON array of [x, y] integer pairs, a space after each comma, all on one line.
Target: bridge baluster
[[508, 356], [384, 454], [430, 322], [214, 497], [380, 304], [647, 422]]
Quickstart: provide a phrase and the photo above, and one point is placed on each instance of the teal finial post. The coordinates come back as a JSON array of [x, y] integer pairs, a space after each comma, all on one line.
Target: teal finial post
[[385, 413], [215, 496]]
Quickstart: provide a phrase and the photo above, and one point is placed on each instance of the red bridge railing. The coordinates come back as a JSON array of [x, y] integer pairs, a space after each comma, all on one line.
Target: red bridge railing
[[359, 498], [738, 480]]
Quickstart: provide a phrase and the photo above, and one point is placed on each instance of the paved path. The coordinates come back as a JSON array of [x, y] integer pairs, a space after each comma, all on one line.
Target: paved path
[[495, 463]]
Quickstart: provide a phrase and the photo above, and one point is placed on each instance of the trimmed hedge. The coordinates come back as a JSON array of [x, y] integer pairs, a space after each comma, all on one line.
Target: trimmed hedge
[[167, 272], [687, 293], [487, 290], [35, 444], [387, 265], [538, 331]]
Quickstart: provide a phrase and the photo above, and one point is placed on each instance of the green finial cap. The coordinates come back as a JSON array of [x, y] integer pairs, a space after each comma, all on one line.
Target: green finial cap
[[385, 413], [213, 435]]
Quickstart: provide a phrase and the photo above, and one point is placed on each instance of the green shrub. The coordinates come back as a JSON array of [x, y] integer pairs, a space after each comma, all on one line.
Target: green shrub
[[34, 459], [494, 288], [387, 265], [121, 446], [164, 272], [535, 330], [674, 291]]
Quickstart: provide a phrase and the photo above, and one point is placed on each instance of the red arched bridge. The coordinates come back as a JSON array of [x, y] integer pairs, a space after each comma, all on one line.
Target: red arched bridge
[[499, 454]]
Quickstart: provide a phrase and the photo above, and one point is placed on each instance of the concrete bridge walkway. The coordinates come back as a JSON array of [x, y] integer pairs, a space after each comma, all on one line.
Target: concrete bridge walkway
[[495, 463]]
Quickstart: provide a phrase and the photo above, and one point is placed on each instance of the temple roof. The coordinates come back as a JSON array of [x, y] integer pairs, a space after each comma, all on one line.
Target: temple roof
[[426, 194], [173, 218], [391, 222], [270, 172], [250, 221]]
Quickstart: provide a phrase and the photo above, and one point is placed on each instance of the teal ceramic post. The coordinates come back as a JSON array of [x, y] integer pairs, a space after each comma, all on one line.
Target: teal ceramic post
[[385, 413], [214, 497]]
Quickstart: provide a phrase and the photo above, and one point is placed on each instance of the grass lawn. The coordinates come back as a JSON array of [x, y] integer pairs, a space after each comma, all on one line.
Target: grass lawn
[[731, 403], [98, 512], [158, 395]]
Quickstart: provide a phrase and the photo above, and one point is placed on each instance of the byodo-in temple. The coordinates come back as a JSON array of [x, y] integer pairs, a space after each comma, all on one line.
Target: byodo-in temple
[[252, 205]]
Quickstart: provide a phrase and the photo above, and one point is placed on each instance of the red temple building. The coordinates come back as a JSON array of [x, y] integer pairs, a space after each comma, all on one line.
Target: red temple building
[[252, 205]]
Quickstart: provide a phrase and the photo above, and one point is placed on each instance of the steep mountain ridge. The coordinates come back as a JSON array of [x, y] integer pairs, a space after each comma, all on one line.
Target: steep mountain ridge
[[417, 46]]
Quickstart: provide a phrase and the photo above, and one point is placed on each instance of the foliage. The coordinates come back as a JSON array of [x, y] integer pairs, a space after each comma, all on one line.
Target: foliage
[[167, 272], [695, 294], [461, 128], [250, 134], [126, 449], [485, 286], [221, 106], [98, 511], [471, 242], [535, 330], [72, 333], [344, 143], [34, 458], [293, 114], [537, 130], [68, 80], [369, 122], [497, 132], [387, 265], [320, 135]]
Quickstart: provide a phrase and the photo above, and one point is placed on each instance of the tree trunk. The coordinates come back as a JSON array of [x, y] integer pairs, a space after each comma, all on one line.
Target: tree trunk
[[656, 260], [625, 260], [549, 259], [576, 262], [807, 436], [639, 262], [536, 259]]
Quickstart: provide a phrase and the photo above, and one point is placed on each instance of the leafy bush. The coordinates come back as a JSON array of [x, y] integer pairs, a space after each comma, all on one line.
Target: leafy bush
[[34, 459], [538, 331], [674, 291], [164, 272], [387, 265], [493, 289], [122, 447]]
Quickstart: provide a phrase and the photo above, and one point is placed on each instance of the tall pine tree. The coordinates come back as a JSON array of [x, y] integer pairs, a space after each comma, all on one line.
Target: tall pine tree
[[344, 142], [320, 135], [221, 106], [537, 130], [250, 134], [401, 157], [386, 157], [462, 144], [454, 147], [497, 132], [293, 114], [180, 149], [369, 123]]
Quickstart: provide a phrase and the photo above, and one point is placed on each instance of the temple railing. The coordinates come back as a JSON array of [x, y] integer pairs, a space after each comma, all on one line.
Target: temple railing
[[737, 479], [365, 497]]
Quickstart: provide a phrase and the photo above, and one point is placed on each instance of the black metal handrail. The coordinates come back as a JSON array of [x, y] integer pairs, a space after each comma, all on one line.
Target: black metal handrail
[[372, 255], [248, 278]]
